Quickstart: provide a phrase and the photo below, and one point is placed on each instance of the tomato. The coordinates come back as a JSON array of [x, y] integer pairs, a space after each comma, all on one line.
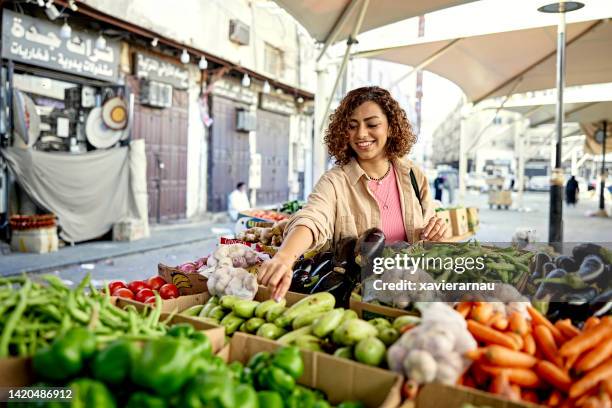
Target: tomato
[[114, 285], [135, 286], [150, 300], [144, 294], [169, 291], [124, 293], [156, 282]]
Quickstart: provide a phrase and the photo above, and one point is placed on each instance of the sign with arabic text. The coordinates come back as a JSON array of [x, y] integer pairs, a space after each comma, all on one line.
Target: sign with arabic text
[[155, 69], [37, 42]]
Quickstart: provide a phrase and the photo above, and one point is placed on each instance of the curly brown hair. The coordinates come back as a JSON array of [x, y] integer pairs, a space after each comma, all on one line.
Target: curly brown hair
[[400, 140]]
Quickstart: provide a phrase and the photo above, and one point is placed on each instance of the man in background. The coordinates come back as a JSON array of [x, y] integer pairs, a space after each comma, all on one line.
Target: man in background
[[238, 201]]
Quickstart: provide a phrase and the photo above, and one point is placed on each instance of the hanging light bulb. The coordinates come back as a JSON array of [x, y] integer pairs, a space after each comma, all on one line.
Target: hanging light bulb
[[246, 81], [65, 31], [300, 100], [73, 6], [51, 11], [41, 3], [101, 42], [185, 57], [154, 42], [266, 87], [203, 64]]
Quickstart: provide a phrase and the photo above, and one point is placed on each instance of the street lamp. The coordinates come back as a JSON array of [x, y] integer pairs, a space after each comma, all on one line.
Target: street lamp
[[600, 137], [555, 229]]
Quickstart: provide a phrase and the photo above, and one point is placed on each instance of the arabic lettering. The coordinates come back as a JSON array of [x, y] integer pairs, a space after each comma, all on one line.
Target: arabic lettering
[[17, 29], [29, 54]]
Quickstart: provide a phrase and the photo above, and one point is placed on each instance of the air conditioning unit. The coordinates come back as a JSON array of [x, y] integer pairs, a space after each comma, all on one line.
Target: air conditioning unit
[[246, 121], [155, 94], [239, 32]]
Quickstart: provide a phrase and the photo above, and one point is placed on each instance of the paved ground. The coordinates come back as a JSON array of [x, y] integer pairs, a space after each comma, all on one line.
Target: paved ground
[[181, 243]]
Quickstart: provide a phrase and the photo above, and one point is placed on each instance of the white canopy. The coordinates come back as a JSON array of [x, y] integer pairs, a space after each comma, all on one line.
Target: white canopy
[[320, 17], [510, 62]]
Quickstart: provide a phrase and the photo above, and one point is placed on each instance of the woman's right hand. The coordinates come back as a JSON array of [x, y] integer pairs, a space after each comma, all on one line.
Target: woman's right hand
[[276, 274]]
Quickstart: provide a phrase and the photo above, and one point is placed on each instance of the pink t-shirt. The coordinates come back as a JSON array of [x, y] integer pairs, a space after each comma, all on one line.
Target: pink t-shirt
[[387, 196]]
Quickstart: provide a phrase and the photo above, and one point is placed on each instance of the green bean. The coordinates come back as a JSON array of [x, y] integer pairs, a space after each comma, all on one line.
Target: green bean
[[7, 332]]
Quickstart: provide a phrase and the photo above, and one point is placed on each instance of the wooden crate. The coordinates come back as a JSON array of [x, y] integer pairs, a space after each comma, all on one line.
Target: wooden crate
[[459, 221]]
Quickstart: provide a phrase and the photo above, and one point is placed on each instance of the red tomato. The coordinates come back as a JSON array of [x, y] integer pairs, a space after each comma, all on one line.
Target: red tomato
[[150, 300], [124, 293], [136, 286], [114, 285], [156, 282], [144, 294], [169, 291]]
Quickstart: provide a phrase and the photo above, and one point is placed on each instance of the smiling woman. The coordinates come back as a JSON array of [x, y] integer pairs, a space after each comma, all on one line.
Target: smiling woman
[[373, 185]]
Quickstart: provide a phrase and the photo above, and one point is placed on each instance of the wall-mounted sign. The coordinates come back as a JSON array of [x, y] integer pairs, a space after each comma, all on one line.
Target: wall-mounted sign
[[37, 42], [276, 105], [233, 90], [155, 69]]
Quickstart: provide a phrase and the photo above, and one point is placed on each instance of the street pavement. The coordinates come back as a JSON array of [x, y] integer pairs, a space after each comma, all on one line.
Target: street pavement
[[182, 243]]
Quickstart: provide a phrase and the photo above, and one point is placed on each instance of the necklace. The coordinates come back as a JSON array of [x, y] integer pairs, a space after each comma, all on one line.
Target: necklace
[[379, 182], [380, 179]]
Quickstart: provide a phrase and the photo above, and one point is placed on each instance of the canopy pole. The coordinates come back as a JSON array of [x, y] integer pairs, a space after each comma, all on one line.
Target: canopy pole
[[555, 231], [349, 43], [333, 34], [602, 185]]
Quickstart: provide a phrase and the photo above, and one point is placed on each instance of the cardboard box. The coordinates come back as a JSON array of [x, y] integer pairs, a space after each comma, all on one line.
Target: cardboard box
[[17, 371], [439, 395], [473, 219], [446, 217], [187, 283], [459, 221], [368, 311], [129, 230], [169, 305], [340, 379]]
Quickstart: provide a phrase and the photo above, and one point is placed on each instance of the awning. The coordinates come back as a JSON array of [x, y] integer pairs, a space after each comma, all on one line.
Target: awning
[[320, 17], [500, 64]]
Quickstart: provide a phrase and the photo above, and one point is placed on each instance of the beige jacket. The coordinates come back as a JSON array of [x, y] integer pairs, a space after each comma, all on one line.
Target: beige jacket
[[341, 205]]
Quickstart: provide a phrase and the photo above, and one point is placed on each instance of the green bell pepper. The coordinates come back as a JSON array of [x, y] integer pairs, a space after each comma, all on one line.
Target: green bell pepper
[[184, 330], [66, 356], [112, 365], [143, 400], [259, 361], [351, 404], [301, 397], [90, 393], [210, 389], [166, 364], [290, 360], [246, 397], [235, 369], [270, 399], [275, 379]]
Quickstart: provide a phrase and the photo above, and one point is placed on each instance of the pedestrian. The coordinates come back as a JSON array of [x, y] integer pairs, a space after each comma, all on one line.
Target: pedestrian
[[512, 183], [438, 185], [372, 185], [571, 191], [238, 201]]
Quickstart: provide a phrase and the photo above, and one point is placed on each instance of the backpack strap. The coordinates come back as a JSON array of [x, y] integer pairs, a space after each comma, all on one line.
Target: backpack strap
[[415, 187]]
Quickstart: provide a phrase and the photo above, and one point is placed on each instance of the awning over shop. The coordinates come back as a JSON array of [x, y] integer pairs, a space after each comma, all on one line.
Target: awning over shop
[[322, 17], [501, 64]]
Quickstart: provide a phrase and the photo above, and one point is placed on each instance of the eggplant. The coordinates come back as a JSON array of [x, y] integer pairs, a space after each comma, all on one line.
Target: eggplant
[[299, 281], [304, 264], [345, 250], [581, 251], [579, 297], [601, 304], [548, 267], [322, 268], [336, 284], [566, 262], [539, 260], [369, 246], [551, 290], [320, 257], [591, 268]]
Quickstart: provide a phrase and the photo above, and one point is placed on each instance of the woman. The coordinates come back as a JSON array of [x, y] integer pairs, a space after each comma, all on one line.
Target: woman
[[571, 191], [371, 186]]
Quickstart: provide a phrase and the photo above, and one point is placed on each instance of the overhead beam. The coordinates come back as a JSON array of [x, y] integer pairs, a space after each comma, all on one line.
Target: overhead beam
[[338, 25]]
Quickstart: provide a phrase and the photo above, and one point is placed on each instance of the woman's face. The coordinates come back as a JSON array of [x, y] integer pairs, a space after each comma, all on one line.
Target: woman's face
[[368, 131]]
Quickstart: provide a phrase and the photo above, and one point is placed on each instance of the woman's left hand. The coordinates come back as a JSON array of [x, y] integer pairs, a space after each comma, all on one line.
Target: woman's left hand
[[434, 230]]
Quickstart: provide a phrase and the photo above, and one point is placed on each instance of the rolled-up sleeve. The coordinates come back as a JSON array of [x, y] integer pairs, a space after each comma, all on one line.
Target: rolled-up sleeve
[[426, 200], [319, 213]]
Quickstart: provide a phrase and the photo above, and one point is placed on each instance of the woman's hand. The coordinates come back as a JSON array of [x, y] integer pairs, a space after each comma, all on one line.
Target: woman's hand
[[276, 274], [434, 230]]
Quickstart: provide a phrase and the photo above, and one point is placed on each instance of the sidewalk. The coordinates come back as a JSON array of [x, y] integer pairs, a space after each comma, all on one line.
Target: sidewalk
[[162, 236]]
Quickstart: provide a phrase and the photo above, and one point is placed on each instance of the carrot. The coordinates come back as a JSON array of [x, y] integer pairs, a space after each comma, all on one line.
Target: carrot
[[590, 380], [553, 375], [488, 335], [606, 386], [592, 402], [590, 323], [546, 343], [593, 358], [581, 401], [475, 354], [464, 308], [530, 396], [586, 340], [468, 381], [529, 347], [482, 312], [500, 383], [520, 376], [538, 318], [518, 324], [499, 322], [570, 361], [567, 329], [504, 357], [554, 400], [479, 375], [518, 340], [515, 393]]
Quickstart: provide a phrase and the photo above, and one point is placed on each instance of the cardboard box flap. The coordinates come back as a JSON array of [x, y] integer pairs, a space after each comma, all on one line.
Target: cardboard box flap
[[340, 379], [440, 395]]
